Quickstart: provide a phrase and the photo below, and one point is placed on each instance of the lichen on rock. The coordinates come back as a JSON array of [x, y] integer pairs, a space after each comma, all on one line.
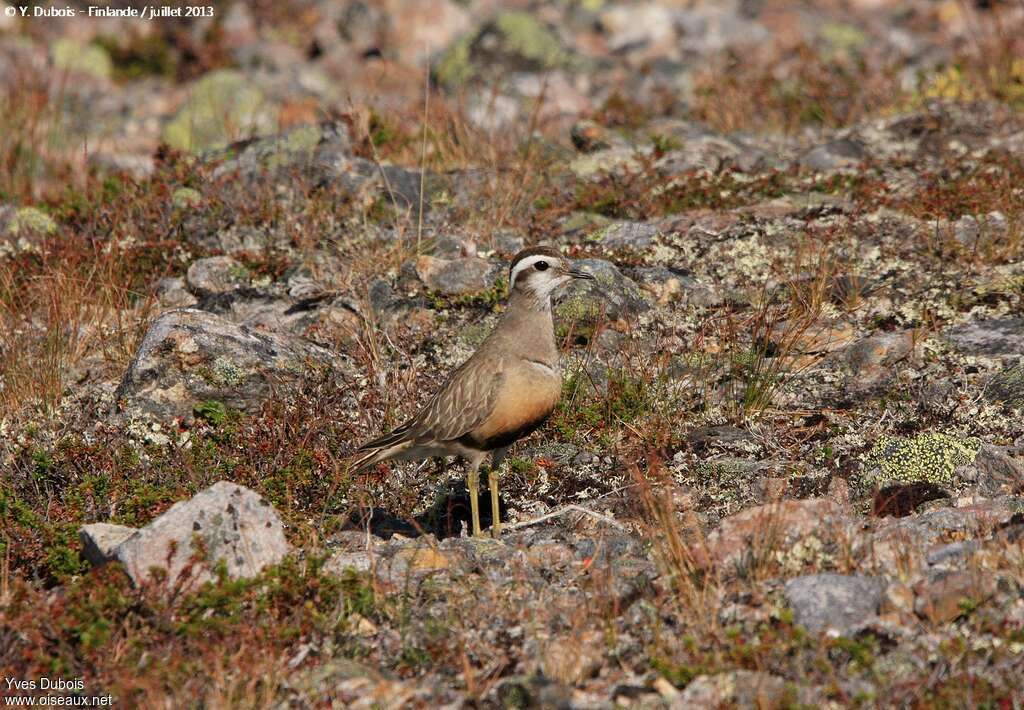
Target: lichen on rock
[[931, 457]]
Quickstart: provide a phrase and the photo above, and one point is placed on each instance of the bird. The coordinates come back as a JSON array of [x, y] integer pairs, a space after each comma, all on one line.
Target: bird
[[502, 393]]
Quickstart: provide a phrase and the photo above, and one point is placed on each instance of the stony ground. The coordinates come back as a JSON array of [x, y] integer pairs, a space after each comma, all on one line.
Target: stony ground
[[788, 466]]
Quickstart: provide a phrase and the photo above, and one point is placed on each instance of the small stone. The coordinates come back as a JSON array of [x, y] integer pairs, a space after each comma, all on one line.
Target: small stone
[[871, 359], [998, 472], [897, 598], [340, 562], [747, 689], [234, 525], [99, 541], [634, 236], [572, 658], [947, 595], [1007, 387], [833, 601], [995, 337], [216, 275], [455, 277], [834, 155], [186, 198]]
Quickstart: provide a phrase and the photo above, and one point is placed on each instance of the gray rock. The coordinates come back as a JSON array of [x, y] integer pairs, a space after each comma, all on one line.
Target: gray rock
[[999, 336], [823, 601], [455, 277], [172, 293], [611, 291], [189, 356], [998, 472], [1007, 387], [871, 359], [233, 525], [836, 154], [215, 275], [317, 151], [99, 541], [628, 235]]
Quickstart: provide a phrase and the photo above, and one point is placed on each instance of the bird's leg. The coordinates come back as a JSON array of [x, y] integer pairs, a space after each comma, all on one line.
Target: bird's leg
[[492, 481], [473, 482]]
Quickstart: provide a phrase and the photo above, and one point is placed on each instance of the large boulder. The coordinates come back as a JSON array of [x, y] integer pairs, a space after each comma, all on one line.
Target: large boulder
[[190, 356], [226, 524]]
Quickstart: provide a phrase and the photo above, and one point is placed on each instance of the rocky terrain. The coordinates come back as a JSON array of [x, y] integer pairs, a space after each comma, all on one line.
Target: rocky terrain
[[788, 466]]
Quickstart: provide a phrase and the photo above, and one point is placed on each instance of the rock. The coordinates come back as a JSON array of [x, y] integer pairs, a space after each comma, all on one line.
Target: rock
[[99, 541], [833, 601], [456, 277], [635, 236], [224, 105], [995, 337], [972, 231], [588, 136], [796, 529], [834, 155], [998, 472], [511, 42], [931, 457], [75, 57], [745, 689], [172, 293], [611, 292], [1007, 387], [321, 151], [189, 356], [948, 595], [235, 526], [871, 359], [216, 275], [644, 26], [356, 560], [617, 159], [573, 657]]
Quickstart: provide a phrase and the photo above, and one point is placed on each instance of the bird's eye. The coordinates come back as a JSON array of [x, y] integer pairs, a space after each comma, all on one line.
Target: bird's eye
[[542, 266]]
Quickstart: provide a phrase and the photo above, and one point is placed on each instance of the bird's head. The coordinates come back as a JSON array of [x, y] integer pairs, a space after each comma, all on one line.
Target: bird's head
[[538, 271]]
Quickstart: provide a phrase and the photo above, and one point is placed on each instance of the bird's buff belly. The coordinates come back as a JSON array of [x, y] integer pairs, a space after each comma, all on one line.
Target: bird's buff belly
[[522, 406]]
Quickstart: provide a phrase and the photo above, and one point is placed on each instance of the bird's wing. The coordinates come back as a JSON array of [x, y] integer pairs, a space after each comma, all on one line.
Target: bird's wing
[[463, 403]]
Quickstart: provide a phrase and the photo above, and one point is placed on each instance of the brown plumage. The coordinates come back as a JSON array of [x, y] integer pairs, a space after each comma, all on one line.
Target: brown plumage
[[504, 391]]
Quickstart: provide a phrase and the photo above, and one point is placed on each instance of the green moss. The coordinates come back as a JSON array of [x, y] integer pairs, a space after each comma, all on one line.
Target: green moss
[[455, 66], [212, 411], [226, 373], [31, 219], [930, 457]]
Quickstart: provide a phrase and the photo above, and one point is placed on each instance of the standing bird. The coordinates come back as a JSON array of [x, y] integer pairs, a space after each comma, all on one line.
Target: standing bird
[[504, 391]]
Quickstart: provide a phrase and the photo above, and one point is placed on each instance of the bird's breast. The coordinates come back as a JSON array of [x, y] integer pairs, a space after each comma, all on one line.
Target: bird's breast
[[529, 393]]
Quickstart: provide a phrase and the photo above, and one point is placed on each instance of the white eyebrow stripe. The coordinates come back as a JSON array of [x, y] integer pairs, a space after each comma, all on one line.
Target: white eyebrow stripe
[[525, 264]]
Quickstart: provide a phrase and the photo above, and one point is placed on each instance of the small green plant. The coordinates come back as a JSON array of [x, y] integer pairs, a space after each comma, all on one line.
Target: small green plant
[[212, 411]]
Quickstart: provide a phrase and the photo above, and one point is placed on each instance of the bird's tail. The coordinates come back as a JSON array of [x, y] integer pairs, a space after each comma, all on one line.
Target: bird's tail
[[380, 449]]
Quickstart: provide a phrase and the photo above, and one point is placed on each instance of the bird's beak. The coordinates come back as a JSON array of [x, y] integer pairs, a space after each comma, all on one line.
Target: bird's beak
[[577, 274]]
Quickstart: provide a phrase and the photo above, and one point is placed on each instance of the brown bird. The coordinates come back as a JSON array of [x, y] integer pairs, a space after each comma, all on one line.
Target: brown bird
[[504, 391]]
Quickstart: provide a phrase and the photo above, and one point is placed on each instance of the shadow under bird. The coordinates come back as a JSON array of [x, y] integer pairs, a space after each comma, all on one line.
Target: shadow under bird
[[504, 391]]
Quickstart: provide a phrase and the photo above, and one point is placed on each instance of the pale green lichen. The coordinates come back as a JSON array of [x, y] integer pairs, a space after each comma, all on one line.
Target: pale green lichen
[[931, 457], [224, 105], [73, 56], [31, 219], [186, 197], [226, 373], [299, 143], [520, 35]]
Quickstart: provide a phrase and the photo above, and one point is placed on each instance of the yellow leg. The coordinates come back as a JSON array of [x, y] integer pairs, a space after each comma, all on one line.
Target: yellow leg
[[492, 481], [473, 481]]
